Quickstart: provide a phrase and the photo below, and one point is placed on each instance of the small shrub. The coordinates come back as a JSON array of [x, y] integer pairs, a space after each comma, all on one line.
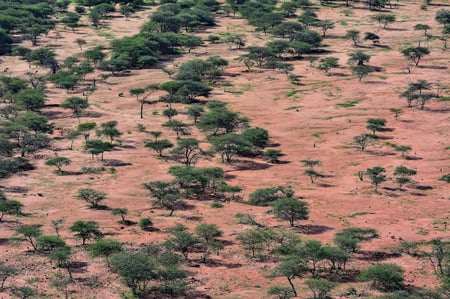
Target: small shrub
[[216, 205], [145, 223]]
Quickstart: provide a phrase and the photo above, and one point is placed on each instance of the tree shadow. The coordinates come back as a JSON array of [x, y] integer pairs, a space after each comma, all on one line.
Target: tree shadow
[[78, 267], [312, 229], [4, 241], [343, 276], [250, 165], [324, 185], [15, 189], [432, 67], [412, 158], [423, 187], [215, 263], [375, 256], [115, 163]]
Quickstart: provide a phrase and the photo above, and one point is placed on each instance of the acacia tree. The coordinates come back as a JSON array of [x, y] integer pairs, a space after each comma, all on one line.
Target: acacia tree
[[327, 63], [105, 248], [85, 230], [353, 35], [59, 162], [5, 273], [415, 54], [91, 196], [29, 233], [10, 207], [143, 93], [292, 267], [187, 151], [290, 209], [159, 145], [377, 175], [76, 104], [122, 212], [403, 175]]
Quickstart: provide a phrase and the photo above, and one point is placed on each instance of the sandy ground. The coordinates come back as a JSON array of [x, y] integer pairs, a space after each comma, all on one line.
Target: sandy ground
[[306, 123]]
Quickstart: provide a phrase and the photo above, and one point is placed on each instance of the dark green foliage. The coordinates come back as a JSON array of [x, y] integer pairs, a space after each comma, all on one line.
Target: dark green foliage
[[159, 145], [145, 224], [372, 37], [10, 207], [76, 104], [256, 136], [221, 121], [5, 273], [385, 277], [122, 212], [194, 112], [349, 238], [320, 287], [443, 16], [197, 182], [415, 54], [136, 270], [290, 209], [358, 58], [85, 230], [59, 162], [98, 147], [5, 42], [273, 155], [91, 196], [403, 175], [377, 175], [187, 151], [29, 233], [30, 99], [105, 248], [445, 178], [267, 196], [61, 255], [376, 124], [109, 129], [48, 243]]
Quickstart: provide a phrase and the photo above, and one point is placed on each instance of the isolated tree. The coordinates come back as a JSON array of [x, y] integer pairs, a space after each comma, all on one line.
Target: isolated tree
[[98, 147], [122, 212], [363, 140], [180, 128], [86, 128], [385, 277], [377, 175], [80, 42], [376, 124], [159, 145], [311, 163], [361, 71], [403, 175], [187, 151], [349, 238], [358, 58], [384, 19], [327, 63], [353, 35], [313, 174], [105, 248], [57, 224], [76, 104], [10, 207], [324, 25], [443, 16], [374, 38], [273, 155], [91, 196], [320, 287], [170, 112], [47, 243], [58, 162], [194, 112], [30, 233], [5, 273], [396, 111], [292, 267], [445, 178], [290, 209], [404, 149], [415, 54], [423, 27], [85, 230], [255, 241]]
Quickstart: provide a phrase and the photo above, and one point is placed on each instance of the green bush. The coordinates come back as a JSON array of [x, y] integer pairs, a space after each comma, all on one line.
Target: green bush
[[145, 223], [385, 277]]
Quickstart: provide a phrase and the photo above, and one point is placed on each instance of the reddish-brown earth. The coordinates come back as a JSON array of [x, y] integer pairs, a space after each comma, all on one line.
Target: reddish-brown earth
[[305, 123]]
